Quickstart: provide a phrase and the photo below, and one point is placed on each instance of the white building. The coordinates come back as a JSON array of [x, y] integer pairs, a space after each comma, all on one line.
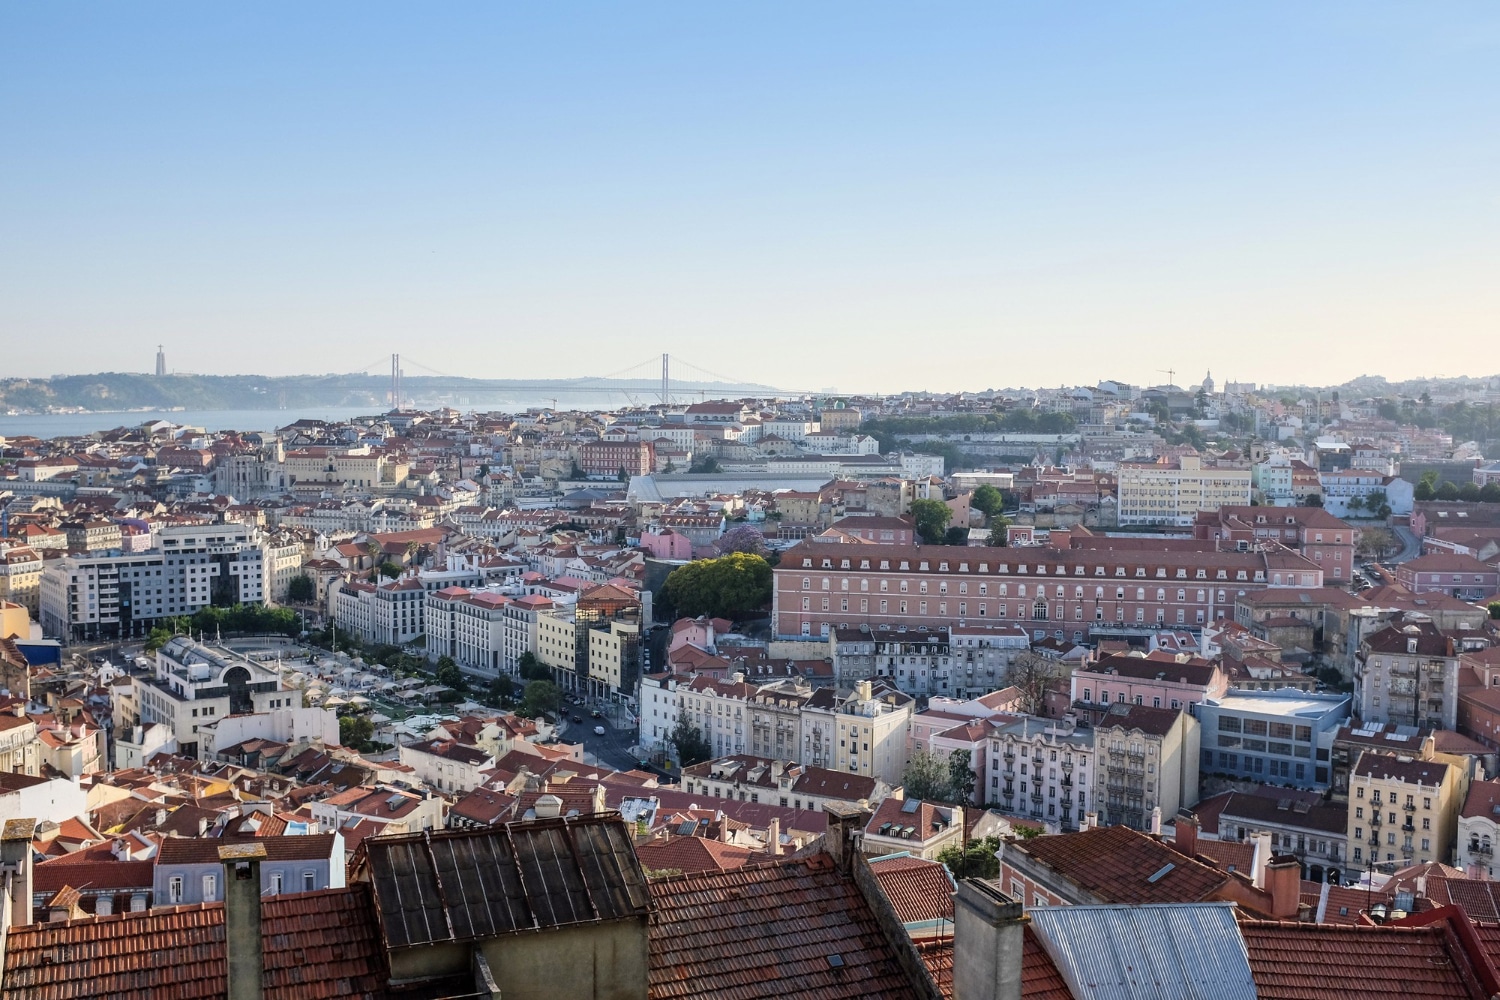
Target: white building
[[96, 594], [1041, 768], [196, 685], [1479, 830]]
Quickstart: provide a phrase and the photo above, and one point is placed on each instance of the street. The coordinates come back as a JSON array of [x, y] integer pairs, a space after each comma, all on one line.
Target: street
[[610, 750]]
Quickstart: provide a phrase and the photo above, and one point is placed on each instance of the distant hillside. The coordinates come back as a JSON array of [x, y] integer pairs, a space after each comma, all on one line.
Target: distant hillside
[[129, 391]]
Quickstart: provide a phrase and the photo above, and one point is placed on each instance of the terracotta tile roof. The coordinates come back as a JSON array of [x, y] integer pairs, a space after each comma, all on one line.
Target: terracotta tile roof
[[918, 889], [769, 931], [49, 876], [1292, 961], [316, 945], [205, 850], [1117, 865], [694, 854], [1040, 979]]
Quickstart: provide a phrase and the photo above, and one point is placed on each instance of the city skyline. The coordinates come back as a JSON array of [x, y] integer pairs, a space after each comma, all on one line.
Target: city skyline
[[861, 196]]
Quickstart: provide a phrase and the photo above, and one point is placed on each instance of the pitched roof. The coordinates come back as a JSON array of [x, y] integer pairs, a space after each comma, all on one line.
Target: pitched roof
[[1119, 865], [461, 885], [316, 945], [694, 854], [770, 930], [1295, 961], [917, 889], [205, 850]]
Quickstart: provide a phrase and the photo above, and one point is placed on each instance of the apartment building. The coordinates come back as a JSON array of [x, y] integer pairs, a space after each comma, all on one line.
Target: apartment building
[[99, 595], [1146, 765], [1403, 810], [614, 659], [1067, 594], [1172, 493], [1315, 533], [282, 563], [606, 459], [962, 661], [783, 783], [776, 719], [1159, 679], [872, 727], [1478, 830], [1451, 573], [1041, 769], [390, 613], [1407, 673], [21, 577], [720, 711], [660, 706]]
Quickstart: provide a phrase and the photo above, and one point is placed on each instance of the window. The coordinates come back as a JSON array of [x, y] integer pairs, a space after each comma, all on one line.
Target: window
[[174, 889], [307, 881], [210, 888]]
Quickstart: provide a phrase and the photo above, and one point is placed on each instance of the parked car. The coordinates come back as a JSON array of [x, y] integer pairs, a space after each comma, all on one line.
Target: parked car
[[577, 719]]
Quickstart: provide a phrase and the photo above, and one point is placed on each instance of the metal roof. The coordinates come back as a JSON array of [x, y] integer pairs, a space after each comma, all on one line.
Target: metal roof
[[1185, 951], [464, 885]]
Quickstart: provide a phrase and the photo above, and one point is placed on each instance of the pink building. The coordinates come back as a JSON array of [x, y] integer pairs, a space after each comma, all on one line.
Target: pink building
[[664, 543], [1157, 680], [1460, 576]]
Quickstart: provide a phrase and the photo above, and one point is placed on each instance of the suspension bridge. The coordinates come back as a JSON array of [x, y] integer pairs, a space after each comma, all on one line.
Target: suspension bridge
[[635, 383]]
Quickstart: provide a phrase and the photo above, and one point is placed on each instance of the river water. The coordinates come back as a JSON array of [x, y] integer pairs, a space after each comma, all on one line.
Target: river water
[[47, 425]]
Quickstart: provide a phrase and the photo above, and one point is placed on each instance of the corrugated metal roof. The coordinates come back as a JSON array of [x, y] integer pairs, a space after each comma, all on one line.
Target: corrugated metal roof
[[465, 885], [1186, 951]]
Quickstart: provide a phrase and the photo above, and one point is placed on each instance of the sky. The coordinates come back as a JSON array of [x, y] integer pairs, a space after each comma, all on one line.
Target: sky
[[867, 196]]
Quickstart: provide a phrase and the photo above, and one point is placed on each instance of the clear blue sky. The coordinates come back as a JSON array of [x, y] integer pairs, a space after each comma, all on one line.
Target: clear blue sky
[[859, 195]]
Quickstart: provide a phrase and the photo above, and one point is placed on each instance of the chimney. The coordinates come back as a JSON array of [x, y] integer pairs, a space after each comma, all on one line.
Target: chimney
[[865, 689], [15, 869], [773, 836], [548, 807], [1156, 821], [988, 932], [1187, 833], [1283, 879], [1260, 859], [845, 821], [242, 933], [1090, 820]]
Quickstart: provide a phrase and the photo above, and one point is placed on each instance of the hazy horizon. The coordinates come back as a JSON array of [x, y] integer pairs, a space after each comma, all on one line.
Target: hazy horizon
[[871, 197]]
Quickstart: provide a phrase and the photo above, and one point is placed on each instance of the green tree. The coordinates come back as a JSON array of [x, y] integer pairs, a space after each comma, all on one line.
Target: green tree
[[956, 536], [1494, 607], [1469, 492], [925, 777], [1447, 491], [727, 587], [158, 638], [390, 569], [998, 537], [1489, 493], [449, 674], [501, 689], [931, 517], [356, 732], [960, 777], [978, 861], [540, 698], [1313, 500], [692, 746], [1424, 490], [987, 500], [532, 669], [707, 465], [300, 589]]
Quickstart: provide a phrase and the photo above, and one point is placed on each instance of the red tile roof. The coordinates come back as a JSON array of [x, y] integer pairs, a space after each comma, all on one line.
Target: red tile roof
[[316, 945], [1292, 961], [1117, 864], [916, 888], [694, 854], [769, 931]]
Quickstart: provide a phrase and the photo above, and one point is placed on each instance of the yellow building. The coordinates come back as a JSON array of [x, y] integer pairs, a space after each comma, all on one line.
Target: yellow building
[[1403, 810], [612, 654], [873, 725], [1172, 494], [561, 645], [15, 621], [21, 577]]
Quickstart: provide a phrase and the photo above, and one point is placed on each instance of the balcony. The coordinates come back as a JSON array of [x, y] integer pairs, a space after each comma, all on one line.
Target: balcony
[[1408, 827], [1410, 807], [1067, 767], [1375, 819], [1487, 850]]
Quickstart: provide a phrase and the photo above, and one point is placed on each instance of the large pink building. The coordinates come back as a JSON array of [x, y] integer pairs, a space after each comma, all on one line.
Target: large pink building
[[819, 586]]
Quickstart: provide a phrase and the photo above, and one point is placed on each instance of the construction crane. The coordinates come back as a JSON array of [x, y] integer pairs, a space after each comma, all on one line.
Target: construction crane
[[1170, 373]]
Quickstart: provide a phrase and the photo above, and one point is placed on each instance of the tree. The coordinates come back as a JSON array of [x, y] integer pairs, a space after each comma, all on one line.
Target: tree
[[1469, 492], [987, 500], [931, 517], [501, 689], [390, 569], [1376, 542], [978, 861], [743, 539], [1489, 493], [301, 589], [1034, 674], [158, 638], [960, 777], [707, 465], [692, 746], [1447, 491], [998, 536], [925, 777], [956, 536], [448, 673], [532, 669], [1424, 490], [1494, 607], [1356, 503], [356, 732], [727, 587], [541, 698], [1313, 500]]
